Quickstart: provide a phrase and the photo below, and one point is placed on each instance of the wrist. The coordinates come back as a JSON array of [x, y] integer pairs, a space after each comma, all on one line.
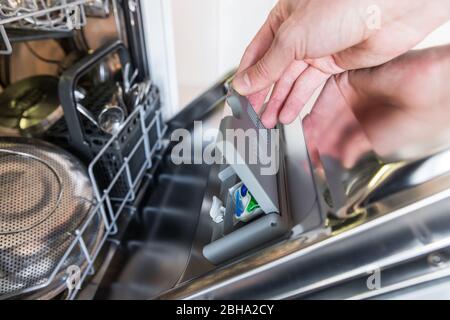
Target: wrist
[[444, 7], [446, 60]]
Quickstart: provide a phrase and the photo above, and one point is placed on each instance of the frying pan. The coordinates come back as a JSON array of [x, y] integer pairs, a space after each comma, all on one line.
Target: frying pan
[[30, 106]]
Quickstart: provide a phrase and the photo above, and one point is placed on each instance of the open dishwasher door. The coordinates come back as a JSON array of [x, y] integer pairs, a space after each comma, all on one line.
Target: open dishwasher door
[[377, 230], [162, 242], [172, 238]]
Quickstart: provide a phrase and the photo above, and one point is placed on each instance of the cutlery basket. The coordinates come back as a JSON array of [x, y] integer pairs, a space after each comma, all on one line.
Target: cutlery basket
[[140, 134]]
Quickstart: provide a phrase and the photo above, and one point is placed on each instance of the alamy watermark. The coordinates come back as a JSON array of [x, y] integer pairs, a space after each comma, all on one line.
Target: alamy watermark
[[373, 18], [74, 18], [73, 280], [233, 147], [374, 279]]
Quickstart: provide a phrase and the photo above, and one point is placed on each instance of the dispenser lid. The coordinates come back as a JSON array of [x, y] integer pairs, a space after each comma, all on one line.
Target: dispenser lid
[[257, 163]]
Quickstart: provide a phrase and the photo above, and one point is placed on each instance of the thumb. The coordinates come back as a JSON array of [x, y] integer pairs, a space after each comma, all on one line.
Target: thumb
[[270, 68]]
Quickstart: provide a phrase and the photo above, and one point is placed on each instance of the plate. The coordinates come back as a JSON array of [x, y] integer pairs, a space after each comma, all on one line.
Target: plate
[[45, 196]]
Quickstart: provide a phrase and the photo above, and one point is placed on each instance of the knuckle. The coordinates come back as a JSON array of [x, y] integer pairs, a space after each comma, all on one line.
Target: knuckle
[[275, 17], [249, 54], [300, 44], [275, 103], [290, 38], [263, 71], [283, 38]]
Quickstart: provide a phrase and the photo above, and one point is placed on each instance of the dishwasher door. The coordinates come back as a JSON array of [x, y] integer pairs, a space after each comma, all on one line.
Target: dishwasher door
[[162, 241], [401, 237], [163, 245]]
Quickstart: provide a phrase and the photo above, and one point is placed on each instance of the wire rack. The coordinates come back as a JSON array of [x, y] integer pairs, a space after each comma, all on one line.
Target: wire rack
[[111, 209], [105, 207], [44, 15]]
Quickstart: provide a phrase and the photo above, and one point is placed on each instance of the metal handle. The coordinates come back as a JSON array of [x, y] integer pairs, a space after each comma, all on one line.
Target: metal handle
[[396, 177], [356, 203], [87, 114]]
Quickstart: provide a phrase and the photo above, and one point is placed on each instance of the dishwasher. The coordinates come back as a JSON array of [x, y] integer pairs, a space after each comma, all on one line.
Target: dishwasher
[[93, 205]]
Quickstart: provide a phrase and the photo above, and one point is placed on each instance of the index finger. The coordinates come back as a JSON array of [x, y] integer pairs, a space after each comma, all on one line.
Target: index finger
[[254, 52], [260, 43]]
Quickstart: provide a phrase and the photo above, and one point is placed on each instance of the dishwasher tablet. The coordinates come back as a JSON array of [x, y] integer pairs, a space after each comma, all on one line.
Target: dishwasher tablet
[[246, 206]]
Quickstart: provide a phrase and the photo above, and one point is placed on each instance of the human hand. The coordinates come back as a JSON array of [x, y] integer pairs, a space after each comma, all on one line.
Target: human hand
[[304, 42], [400, 110]]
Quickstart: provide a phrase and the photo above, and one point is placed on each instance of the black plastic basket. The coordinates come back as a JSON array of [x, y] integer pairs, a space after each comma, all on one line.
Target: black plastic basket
[[81, 137]]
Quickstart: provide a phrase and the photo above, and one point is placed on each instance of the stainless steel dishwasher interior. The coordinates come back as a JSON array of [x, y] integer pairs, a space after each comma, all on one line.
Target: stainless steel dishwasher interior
[[161, 247], [161, 254]]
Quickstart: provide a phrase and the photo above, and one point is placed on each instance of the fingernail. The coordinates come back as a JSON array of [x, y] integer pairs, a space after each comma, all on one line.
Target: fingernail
[[242, 83], [268, 121], [286, 117]]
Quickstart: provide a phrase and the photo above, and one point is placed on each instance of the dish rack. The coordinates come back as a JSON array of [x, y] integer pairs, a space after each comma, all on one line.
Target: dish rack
[[117, 164], [39, 15], [108, 208]]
